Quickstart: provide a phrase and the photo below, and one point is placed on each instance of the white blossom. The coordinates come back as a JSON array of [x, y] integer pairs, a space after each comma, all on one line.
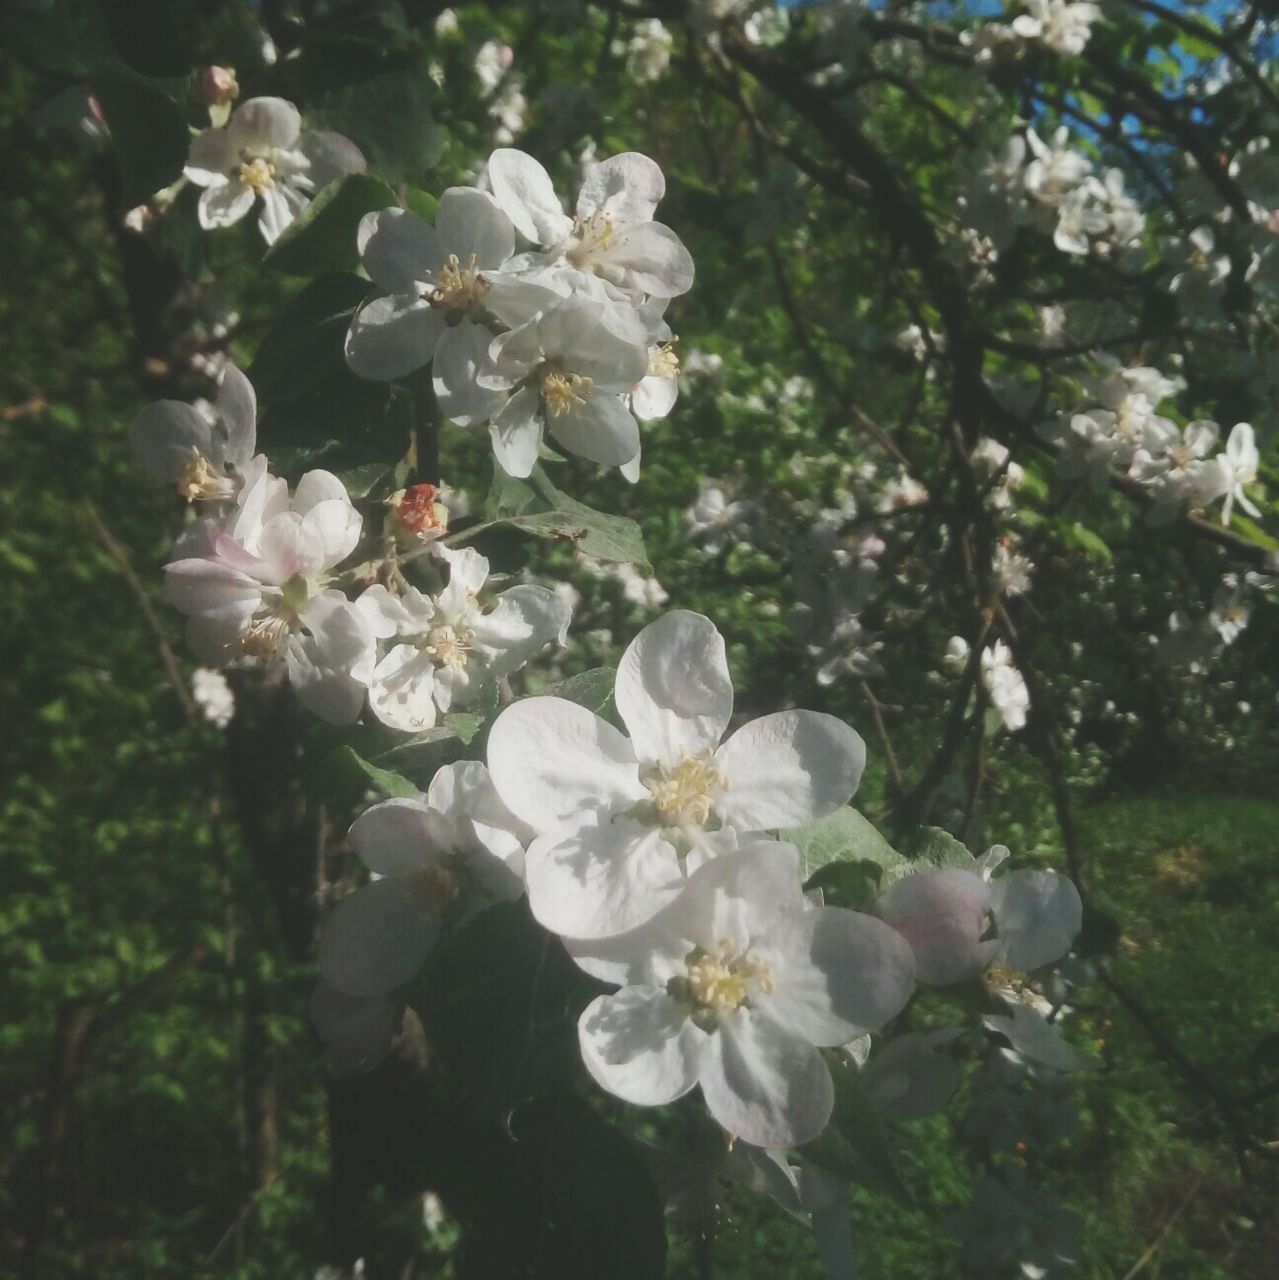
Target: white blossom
[[213, 696], [1063, 25]]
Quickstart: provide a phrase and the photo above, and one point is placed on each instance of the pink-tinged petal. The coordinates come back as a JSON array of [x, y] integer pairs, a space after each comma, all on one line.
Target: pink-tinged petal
[[673, 689], [762, 1086], [557, 765], [788, 769], [640, 1046], [291, 547], [942, 914], [601, 880]]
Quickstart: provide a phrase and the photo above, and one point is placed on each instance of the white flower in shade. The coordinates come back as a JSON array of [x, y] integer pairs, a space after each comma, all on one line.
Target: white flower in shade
[[213, 696], [620, 820], [1063, 25], [1088, 445], [444, 648], [262, 597], [1056, 170], [567, 371], [713, 520], [734, 987], [613, 239], [901, 493], [1180, 471], [648, 52], [437, 861], [207, 461], [1080, 217], [1011, 570], [1235, 470], [1005, 685], [945, 914], [654, 396], [357, 1030], [1230, 609], [445, 293], [262, 153]]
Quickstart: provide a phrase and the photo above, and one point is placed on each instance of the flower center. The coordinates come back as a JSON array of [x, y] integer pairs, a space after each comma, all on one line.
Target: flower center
[[684, 793], [564, 392], [1181, 456], [458, 286], [269, 628], [199, 482], [449, 645], [664, 363], [257, 173], [595, 235], [722, 980]]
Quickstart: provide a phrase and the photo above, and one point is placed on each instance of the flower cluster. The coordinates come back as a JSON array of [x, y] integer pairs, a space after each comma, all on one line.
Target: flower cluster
[[565, 337]]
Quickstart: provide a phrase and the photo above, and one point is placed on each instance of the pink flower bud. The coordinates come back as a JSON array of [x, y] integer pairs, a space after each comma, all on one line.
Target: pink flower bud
[[218, 86]]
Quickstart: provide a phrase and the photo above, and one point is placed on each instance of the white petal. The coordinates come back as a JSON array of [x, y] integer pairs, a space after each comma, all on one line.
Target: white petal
[[332, 156], [224, 205], [654, 397], [338, 524], [516, 432], [762, 1086], [525, 193], [402, 692], [460, 354], [673, 689], [789, 769], [556, 764], [166, 436], [397, 249], [640, 1045], [378, 937], [603, 341], [602, 430], [238, 409], [396, 836], [1037, 915], [356, 1030], [264, 123], [625, 187], [212, 157], [837, 973], [470, 222], [601, 880], [524, 620], [390, 337], [654, 258]]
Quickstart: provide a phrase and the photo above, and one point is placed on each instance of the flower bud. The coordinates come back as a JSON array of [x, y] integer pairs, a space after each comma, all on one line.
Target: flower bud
[[217, 86]]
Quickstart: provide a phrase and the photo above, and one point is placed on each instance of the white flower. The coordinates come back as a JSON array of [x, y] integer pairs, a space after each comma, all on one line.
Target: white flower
[[445, 293], [1181, 470], [1079, 217], [1230, 609], [1056, 170], [900, 493], [206, 461], [261, 596], [734, 987], [263, 153], [445, 647], [1004, 684], [1236, 469], [213, 696], [436, 862], [654, 396], [714, 520], [1012, 571], [613, 238], [648, 52], [1063, 25], [567, 371], [619, 818]]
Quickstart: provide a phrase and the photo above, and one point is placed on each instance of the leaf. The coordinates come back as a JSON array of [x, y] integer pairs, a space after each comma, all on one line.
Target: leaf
[[148, 36], [536, 506], [1081, 538], [853, 885], [853, 1144], [344, 774], [305, 344], [934, 847], [499, 1001], [389, 118], [148, 132], [590, 689], [842, 836], [322, 237]]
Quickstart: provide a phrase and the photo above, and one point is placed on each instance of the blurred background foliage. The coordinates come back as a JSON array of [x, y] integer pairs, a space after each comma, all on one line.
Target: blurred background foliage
[[164, 1107]]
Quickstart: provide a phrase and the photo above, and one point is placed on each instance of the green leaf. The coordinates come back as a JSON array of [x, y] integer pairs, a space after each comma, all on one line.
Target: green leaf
[[423, 203], [344, 775], [854, 885], [842, 836], [934, 847], [853, 1145], [1081, 538], [148, 35], [148, 132], [536, 506], [591, 689], [306, 342], [322, 237]]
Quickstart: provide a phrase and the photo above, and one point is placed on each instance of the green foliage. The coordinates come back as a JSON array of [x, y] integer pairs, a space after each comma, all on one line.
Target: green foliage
[[322, 238]]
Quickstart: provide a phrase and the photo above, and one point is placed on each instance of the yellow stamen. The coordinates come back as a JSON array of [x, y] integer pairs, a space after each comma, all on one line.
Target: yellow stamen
[[258, 173], [564, 392], [458, 287], [664, 362], [721, 981], [449, 646], [199, 482], [683, 794]]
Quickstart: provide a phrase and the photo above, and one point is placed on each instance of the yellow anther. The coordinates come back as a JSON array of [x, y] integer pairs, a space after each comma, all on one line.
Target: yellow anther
[[199, 482], [564, 392], [664, 363], [449, 646], [265, 635], [458, 286], [257, 173], [684, 793], [722, 981]]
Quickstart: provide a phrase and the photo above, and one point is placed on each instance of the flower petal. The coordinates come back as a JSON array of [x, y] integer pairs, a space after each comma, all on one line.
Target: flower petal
[[397, 249], [1037, 915], [525, 193], [378, 937], [641, 1046], [942, 914], [390, 337]]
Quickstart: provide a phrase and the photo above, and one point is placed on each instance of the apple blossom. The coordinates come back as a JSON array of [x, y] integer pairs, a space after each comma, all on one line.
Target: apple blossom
[[262, 153], [1065, 26], [443, 648], [621, 820], [733, 987]]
